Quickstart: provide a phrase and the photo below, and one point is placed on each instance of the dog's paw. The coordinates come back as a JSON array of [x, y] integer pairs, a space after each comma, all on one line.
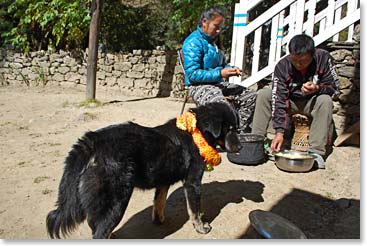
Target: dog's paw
[[203, 227], [157, 219]]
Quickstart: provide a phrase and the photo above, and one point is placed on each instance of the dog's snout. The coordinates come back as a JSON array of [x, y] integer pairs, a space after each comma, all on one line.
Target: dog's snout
[[239, 147], [233, 144]]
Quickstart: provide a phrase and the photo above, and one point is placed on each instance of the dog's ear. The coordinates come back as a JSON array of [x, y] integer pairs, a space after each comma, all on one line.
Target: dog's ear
[[209, 123], [210, 128], [211, 116]]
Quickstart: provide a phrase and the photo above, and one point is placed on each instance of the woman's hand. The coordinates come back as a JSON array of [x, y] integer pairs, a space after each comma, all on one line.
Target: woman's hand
[[230, 71], [309, 88]]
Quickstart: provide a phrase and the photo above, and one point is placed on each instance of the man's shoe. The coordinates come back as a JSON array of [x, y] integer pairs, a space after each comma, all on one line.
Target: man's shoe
[[319, 160], [267, 149]]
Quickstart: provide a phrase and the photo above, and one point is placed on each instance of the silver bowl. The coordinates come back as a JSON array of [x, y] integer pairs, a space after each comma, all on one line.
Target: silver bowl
[[294, 161]]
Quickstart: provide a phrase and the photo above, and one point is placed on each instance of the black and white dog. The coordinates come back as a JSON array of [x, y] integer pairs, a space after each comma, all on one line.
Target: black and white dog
[[104, 166]]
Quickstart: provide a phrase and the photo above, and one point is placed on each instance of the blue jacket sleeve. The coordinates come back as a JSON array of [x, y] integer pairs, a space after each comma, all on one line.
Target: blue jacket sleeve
[[193, 53]]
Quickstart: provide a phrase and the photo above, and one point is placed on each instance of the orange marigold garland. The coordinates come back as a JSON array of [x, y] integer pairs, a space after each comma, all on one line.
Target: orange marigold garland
[[187, 122]]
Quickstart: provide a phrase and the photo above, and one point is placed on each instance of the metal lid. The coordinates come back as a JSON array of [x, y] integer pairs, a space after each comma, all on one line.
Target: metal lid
[[273, 226]]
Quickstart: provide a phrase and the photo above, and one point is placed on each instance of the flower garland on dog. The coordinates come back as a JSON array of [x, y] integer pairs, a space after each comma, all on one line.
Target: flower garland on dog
[[187, 122]]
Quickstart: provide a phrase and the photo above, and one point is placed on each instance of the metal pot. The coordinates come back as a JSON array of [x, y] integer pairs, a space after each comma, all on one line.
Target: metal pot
[[272, 226], [294, 161]]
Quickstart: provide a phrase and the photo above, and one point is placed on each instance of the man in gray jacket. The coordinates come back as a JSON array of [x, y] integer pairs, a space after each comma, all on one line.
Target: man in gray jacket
[[303, 82]]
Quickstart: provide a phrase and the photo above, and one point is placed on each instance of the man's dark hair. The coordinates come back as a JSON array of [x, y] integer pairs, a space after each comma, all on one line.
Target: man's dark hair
[[301, 43], [210, 13]]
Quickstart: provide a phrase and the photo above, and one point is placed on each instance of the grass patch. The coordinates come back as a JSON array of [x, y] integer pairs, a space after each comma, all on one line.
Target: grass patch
[[90, 103], [24, 78], [42, 78], [39, 179]]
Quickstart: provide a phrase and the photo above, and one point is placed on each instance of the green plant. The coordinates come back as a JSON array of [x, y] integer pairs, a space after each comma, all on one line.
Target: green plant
[[64, 24], [90, 103], [24, 78], [39, 23], [122, 25], [7, 22], [185, 16], [42, 78]]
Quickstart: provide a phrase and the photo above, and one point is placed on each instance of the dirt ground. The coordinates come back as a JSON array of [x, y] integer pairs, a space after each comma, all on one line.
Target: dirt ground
[[39, 125]]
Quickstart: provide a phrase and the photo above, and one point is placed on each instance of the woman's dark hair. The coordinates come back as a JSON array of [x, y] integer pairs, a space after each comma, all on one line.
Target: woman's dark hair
[[210, 13], [219, 43], [301, 43]]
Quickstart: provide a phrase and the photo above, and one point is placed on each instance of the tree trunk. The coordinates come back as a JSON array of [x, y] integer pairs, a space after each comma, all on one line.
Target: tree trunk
[[93, 48]]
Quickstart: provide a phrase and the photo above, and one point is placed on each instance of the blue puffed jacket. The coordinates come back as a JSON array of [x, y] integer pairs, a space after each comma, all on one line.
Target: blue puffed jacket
[[203, 61]]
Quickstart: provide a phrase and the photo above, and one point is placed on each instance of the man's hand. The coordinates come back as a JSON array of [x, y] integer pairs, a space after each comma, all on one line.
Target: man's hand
[[230, 71], [309, 88], [277, 142]]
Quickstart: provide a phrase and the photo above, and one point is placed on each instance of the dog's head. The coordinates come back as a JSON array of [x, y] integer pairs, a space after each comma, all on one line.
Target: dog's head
[[218, 123]]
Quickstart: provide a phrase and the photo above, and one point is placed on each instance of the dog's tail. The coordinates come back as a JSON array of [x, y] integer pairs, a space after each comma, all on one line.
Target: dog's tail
[[70, 212]]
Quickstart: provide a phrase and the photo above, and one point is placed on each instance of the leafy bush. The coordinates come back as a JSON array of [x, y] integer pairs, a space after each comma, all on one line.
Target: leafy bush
[[7, 22], [185, 17], [43, 24], [124, 28], [64, 24]]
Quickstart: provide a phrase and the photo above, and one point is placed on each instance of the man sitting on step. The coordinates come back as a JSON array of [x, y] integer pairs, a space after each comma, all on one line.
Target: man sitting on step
[[303, 82]]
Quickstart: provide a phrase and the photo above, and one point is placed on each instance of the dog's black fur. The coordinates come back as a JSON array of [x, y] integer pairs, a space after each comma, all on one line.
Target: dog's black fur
[[104, 166]]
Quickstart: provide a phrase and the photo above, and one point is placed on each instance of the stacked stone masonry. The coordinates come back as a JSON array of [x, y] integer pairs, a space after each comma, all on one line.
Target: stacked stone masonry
[[141, 73]]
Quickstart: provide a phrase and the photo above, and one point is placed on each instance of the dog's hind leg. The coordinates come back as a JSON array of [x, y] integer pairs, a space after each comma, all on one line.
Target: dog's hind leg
[[159, 205], [105, 223], [110, 211]]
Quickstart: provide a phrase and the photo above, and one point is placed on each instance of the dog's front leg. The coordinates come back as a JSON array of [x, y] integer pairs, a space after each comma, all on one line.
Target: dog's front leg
[[193, 196], [159, 205]]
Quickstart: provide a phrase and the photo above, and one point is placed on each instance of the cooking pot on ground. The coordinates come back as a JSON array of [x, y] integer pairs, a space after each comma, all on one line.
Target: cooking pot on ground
[[252, 151]]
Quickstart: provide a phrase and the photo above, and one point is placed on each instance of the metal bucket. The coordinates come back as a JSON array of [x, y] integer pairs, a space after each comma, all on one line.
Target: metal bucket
[[252, 151]]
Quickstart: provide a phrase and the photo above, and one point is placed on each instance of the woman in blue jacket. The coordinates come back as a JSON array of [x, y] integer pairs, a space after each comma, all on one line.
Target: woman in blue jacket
[[206, 71]]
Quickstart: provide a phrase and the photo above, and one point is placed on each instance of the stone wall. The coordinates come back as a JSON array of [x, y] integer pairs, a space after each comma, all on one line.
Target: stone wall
[[347, 61], [141, 73]]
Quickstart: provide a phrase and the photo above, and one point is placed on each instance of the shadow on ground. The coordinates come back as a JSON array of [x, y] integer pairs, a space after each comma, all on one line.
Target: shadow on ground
[[216, 195], [318, 217]]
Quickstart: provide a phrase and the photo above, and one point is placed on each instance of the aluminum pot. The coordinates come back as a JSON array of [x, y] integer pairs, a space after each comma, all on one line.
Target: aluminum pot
[[294, 161]]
